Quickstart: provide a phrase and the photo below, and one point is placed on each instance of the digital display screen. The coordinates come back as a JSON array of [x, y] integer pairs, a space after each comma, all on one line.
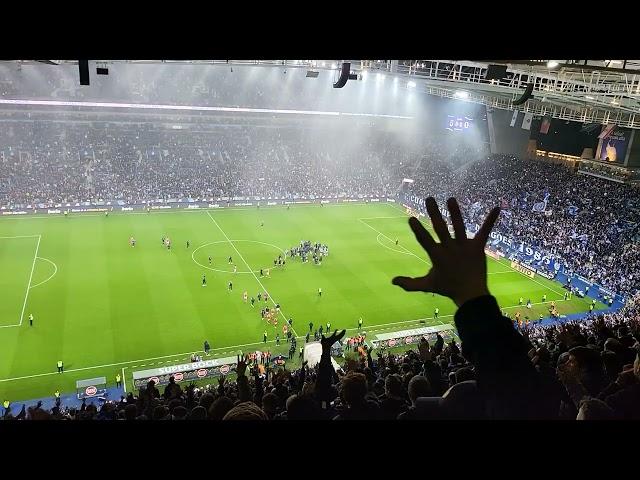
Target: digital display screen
[[459, 124], [613, 148]]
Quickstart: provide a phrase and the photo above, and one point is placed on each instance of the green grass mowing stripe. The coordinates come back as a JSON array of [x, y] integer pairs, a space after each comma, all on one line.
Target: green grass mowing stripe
[[250, 269], [16, 255], [33, 266]]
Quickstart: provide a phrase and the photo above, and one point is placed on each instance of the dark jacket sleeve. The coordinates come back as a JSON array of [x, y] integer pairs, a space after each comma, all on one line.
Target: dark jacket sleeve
[[325, 374], [257, 396], [244, 390], [511, 386], [372, 366], [610, 389], [432, 371], [302, 378]]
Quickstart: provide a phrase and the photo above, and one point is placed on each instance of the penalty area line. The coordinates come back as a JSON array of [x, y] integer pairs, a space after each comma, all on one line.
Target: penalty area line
[[33, 266]]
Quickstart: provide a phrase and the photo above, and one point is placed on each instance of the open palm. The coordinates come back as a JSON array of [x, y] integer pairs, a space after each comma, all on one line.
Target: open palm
[[459, 268]]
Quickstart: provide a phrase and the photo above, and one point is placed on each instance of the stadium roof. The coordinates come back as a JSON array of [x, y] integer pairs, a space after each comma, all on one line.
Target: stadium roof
[[586, 91], [593, 91]]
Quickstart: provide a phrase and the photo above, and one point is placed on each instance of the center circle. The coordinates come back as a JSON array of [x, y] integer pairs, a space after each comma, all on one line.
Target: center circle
[[232, 241]]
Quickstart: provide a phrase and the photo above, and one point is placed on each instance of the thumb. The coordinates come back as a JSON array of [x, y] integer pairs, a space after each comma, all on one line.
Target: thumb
[[418, 284]]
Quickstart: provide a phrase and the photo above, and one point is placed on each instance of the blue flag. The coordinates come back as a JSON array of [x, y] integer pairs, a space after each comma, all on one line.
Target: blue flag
[[539, 207]]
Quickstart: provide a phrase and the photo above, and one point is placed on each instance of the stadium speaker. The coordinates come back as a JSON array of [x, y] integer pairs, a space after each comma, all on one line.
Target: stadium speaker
[[525, 96], [83, 66], [495, 72], [102, 71], [344, 75]]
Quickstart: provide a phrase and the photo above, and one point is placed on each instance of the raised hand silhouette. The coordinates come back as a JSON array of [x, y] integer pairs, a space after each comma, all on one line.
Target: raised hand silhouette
[[459, 268]]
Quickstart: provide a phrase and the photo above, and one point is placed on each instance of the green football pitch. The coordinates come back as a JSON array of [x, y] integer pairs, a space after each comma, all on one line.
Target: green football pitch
[[105, 307]]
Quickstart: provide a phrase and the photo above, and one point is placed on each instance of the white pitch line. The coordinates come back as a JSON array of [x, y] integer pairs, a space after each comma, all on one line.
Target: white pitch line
[[401, 246], [250, 269], [224, 241], [51, 276], [389, 248], [20, 236], [27, 293], [396, 208], [33, 266], [536, 281], [542, 285], [373, 327], [445, 316]]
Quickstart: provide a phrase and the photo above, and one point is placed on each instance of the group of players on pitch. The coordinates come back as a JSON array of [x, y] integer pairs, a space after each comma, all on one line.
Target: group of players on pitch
[[316, 250], [553, 310], [305, 249]]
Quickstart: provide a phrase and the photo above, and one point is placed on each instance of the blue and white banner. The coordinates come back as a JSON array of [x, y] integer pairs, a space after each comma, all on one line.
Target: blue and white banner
[[572, 210], [524, 251]]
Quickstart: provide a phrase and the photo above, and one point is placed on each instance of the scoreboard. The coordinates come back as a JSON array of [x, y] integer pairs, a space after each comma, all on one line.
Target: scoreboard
[[459, 123]]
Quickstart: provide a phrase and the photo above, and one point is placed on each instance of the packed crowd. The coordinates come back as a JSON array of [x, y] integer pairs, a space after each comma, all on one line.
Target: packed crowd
[[48, 163]]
